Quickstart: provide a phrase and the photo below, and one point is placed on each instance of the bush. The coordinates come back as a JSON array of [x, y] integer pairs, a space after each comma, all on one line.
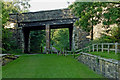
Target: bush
[[15, 51]]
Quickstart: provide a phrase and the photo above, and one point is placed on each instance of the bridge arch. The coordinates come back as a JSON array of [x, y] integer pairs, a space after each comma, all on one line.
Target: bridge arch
[[43, 20]]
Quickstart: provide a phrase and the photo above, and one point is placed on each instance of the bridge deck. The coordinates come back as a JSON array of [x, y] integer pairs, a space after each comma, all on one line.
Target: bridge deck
[[42, 16]]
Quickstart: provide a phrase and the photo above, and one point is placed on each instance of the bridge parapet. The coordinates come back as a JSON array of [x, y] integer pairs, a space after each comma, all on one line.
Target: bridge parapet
[[42, 15]]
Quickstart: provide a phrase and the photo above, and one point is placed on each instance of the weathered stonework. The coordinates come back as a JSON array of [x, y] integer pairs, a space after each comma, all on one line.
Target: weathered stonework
[[18, 37], [42, 15], [62, 18], [107, 67], [79, 38], [21, 41], [98, 30], [6, 58]]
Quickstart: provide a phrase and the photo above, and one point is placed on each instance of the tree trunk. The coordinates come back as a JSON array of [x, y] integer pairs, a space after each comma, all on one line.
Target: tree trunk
[[92, 30]]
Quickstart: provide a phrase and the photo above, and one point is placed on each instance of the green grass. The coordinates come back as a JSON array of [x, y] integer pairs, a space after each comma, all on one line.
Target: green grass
[[0, 71], [107, 55], [47, 66]]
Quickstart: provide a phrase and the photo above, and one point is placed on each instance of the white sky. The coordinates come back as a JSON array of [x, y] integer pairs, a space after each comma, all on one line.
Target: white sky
[[38, 5]]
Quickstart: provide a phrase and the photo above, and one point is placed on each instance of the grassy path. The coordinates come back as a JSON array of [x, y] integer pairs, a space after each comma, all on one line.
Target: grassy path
[[47, 66]]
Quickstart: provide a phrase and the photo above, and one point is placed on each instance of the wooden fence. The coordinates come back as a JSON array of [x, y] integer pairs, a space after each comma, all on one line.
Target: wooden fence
[[106, 47], [100, 47]]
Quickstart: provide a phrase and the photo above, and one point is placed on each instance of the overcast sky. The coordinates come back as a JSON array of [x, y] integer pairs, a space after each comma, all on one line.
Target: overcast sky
[[38, 5]]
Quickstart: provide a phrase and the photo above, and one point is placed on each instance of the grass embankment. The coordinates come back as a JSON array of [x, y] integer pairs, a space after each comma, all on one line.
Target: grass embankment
[[107, 55], [47, 66]]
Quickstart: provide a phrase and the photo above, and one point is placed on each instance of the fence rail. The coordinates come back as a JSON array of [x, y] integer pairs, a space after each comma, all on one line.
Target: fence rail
[[106, 47], [99, 47]]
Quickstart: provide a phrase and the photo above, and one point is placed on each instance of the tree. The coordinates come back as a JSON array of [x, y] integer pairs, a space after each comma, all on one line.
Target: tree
[[7, 8], [93, 13], [60, 38], [86, 12], [115, 34], [15, 6], [37, 40], [111, 15]]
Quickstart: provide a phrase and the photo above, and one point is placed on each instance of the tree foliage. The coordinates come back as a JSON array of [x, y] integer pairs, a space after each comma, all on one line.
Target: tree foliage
[[15, 6], [8, 7], [93, 13], [60, 38], [37, 40], [96, 10], [115, 34]]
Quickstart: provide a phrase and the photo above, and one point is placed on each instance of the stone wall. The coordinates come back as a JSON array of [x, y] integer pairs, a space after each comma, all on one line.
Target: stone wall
[[98, 30], [79, 38], [42, 15], [18, 37], [6, 58], [107, 67]]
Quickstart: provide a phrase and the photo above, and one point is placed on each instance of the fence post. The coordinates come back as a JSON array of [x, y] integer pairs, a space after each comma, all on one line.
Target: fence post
[[116, 47], [108, 48], [93, 47], [97, 47], [102, 47]]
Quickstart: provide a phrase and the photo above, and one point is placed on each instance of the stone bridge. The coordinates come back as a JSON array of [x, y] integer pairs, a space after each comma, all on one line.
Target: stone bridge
[[42, 20]]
